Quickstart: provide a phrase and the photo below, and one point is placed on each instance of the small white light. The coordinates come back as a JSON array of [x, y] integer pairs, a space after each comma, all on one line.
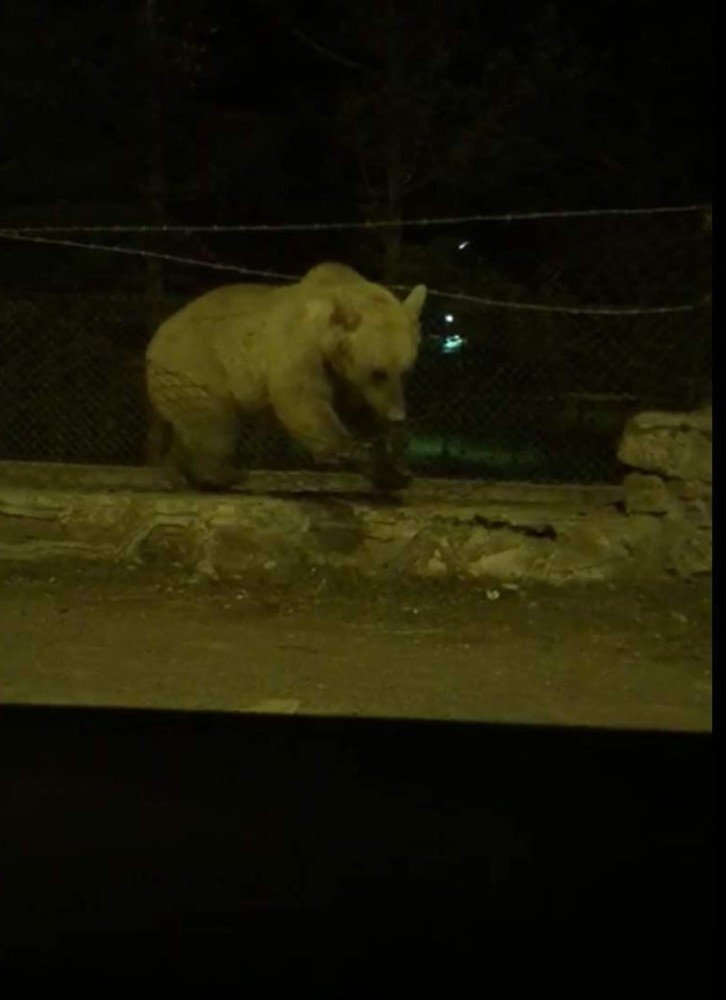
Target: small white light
[[464, 245], [449, 318]]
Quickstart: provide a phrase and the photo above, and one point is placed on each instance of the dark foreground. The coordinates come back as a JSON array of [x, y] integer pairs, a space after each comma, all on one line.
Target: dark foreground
[[352, 858], [286, 853]]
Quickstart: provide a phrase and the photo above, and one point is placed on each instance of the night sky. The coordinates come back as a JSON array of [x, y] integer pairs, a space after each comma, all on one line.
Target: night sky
[[270, 111]]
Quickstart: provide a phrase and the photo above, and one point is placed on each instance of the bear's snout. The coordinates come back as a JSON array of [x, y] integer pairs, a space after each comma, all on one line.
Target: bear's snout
[[388, 401]]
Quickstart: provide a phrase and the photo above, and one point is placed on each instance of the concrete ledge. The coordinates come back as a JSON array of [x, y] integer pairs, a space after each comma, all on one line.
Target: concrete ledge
[[285, 524], [82, 478]]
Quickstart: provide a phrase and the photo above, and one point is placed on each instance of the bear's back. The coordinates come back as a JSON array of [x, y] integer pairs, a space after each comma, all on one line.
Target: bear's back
[[214, 341]]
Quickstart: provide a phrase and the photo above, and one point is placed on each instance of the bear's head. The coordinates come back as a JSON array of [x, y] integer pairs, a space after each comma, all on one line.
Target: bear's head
[[370, 341]]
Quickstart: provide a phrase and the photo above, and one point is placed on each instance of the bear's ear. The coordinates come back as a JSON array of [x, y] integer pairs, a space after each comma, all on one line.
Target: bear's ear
[[345, 315], [330, 319], [332, 311], [414, 302]]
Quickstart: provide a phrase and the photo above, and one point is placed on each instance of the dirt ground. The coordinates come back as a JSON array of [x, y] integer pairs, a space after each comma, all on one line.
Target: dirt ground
[[596, 655]]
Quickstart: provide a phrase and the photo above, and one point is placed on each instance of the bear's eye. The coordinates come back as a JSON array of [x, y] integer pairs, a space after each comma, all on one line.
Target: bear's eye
[[379, 375]]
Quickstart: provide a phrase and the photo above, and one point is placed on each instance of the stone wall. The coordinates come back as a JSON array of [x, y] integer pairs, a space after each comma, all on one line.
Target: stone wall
[[658, 523], [673, 456]]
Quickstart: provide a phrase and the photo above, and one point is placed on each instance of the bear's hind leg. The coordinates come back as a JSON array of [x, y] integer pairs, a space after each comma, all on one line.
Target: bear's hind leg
[[203, 451]]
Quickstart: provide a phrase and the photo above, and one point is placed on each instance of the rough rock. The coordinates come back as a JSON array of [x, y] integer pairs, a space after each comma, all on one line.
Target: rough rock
[[647, 494], [690, 550], [169, 545], [507, 564], [692, 500], [676, 445]]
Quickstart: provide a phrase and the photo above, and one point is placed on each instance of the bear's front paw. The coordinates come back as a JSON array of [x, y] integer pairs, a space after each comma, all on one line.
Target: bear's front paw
[[380, 470], [388, 469]]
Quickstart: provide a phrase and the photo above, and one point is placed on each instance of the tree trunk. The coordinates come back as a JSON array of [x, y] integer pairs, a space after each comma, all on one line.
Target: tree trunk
[[154, 190], [155, 185], [392, 235]]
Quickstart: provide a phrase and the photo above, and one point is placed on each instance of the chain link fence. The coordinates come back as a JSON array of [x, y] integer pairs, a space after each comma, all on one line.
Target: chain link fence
[[533, 383]]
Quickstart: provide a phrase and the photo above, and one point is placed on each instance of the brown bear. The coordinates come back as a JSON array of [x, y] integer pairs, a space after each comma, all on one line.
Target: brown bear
[[311, 351]]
